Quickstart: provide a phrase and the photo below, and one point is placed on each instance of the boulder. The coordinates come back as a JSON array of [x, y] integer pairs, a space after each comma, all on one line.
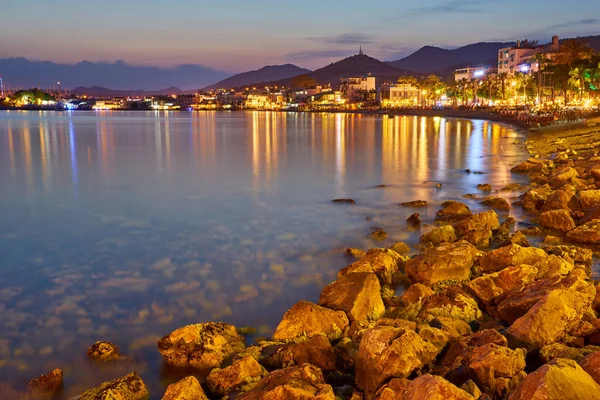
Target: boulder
[[553, 266], [308, 319], [439, 235], [508, 256], [400, 248], [588, 233], [382, 262], [590, 215], [415, 293], [553, 316], [432, 387], [316, 351], [534, 199], [459, 350], [129, 387], [489, 287], [517, 238], [558, 200], [451, 302], [186, 389], [589, 199], [46, 385], [489, 362], [484, 220], [204, 346], [414, 221], [452, 211], [479, 237], [558, 380], [388, 352], [103, 351], [393, 390], [559, 220], [241, 375], [304, 382], [449, 261], [561, 350], [579, 255], [560, 176], [453, 327], [591, 365], [358, 295], [498, 203]]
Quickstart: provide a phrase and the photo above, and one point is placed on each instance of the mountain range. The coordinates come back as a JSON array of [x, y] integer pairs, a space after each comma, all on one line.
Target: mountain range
[[270, 73]]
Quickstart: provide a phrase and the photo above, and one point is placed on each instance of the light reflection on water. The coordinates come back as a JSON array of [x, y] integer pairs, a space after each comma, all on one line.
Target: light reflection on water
[[125, 226]]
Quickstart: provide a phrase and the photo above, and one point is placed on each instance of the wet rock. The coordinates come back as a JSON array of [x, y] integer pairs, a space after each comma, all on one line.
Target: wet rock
[[356, 253], [103, 351], [393, 390], [563, 175], [385, 352], [484, 187], [589, 199], [591, 365], [480, 237], [558, 380], [452, 211], [490, 362], [492, 286], [587, 233], [558, 200], [480, 221], [527, 166], [559, 220], [205, 345], [358, 295], [414, 221], [451, 302], [186, 389], [378, 234], [308, 319], [554, 315], [432, 387], [449, 261], [241, 375], [46, 385], [316, 351], [382, 262], [534, 199], [439, 235], [129, 387], [553, 266], [415, 293], [343, 201], [415, 203], [298, 382], [517, 238], [507, 256], [400, 248], [498, 203]]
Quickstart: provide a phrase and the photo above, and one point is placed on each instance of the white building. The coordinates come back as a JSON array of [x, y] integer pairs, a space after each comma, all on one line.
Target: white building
[[521, 58], [470, 73], [351, 86], [401, 94]]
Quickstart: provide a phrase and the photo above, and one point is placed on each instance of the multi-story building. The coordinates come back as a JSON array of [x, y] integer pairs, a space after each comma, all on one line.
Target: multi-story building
[[400, 95], [350, 87], [470, 73], [521, 58]]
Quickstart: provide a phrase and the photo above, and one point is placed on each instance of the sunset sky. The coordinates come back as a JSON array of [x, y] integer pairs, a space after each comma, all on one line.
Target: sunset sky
[[238, 35]]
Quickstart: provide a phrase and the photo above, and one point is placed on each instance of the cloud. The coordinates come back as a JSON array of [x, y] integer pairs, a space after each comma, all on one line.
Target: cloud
[[453, 7], [579, 26], [304, 55], [573, 24], [345, 38]]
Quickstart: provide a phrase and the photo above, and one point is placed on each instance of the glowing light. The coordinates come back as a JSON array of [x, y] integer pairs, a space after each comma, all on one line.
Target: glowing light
[[479, 74], [524, 68]]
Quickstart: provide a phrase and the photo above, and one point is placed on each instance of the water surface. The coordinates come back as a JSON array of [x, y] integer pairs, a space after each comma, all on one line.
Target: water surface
[[123, 226]]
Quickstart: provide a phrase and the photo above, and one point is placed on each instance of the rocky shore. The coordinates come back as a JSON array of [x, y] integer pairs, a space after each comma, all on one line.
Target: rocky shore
[[484, 314]]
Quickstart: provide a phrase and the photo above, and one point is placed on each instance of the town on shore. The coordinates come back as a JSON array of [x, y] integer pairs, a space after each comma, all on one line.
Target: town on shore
[[539, 83]]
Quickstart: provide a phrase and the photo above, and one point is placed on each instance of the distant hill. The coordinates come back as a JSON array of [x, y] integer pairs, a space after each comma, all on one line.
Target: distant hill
[[23, 73], [594, 41], [435, 60], [97, 91], [270, 73]]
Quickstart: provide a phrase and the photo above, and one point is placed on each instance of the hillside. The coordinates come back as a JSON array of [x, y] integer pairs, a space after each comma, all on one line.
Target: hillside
[[269, 73], [23, 73], [97, 91]]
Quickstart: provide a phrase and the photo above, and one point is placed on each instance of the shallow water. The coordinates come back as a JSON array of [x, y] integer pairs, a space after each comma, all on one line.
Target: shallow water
[[123, 226]]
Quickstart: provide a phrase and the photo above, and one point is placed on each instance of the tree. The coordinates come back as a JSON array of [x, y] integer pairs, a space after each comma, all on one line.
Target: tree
[[573, 51], [409, 80], [502, 77]]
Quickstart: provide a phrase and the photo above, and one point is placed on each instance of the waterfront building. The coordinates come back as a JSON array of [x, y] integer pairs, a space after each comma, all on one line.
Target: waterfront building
[[521, 58], [400, 95], [185, 101], [471, 73], [354, 87], [107, 105]]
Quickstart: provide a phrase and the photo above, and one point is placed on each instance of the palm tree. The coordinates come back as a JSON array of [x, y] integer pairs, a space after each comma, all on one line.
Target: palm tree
[[502, 77], [573, 51]]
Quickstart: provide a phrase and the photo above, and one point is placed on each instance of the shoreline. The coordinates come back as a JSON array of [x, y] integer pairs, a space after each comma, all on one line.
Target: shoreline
[[448, 333]]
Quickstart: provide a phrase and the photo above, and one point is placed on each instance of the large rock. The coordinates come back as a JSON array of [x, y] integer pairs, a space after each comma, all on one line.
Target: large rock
[[558, 380], [590, 215], [491, 286], [452, 211], [586, 233], [560, 176], [508, 256], [450, 261], [385, 352], [558, 200], [103, 351], [559, 220], [129, 387], [317, 351], [491, 362], [432, 387], [479, 221], [451, 302], [381, 262], [591, 365], [46, 385], [308, 319], [439, 235], [303, 382], [534, 199], [358, 295], [186, 389], [554, 315], [498, 203], [393, 390], [203, 346], [553, 266], [459, 350], [241, 375], [589, 199]]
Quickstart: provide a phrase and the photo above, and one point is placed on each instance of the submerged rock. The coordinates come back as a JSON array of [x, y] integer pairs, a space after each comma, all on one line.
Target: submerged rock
[[358, 295], [484, 187], [103, 351], [450, 261], [415, 203], [414, 221], [378, 234], [205, 345], [343, 201], [129, 387], [558, 380], [498, 203], [46, 385], [186, 389], [298, 382], [308, 319]]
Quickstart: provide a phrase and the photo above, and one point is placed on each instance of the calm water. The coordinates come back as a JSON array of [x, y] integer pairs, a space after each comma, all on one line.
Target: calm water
[[125, 226]]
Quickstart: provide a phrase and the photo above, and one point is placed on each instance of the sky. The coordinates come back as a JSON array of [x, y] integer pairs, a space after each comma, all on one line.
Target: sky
[[238, 35]]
